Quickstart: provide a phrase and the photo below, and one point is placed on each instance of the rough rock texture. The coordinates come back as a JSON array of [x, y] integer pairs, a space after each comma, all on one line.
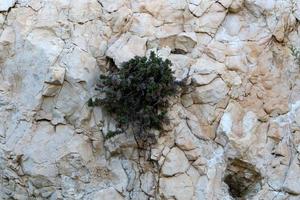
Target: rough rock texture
[[241, 101]]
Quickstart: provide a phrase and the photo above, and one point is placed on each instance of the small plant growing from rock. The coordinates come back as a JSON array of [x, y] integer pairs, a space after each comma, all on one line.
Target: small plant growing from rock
[[136, 95], [296, 53]]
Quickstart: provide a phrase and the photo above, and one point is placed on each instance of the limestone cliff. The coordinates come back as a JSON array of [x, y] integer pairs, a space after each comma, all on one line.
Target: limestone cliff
[[234, 132]]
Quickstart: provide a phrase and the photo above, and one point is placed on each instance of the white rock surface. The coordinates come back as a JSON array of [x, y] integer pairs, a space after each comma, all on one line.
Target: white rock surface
[[180, 187], [126, 47], [175, 163], [212, 93], [240, 99], [6, 4], [109, 193], [55, 75], [292, 179]]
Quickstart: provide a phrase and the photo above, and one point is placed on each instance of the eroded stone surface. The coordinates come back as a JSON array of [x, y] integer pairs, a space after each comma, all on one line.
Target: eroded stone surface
[[180, 187], [175, 162], [6, 4], [240, 98]]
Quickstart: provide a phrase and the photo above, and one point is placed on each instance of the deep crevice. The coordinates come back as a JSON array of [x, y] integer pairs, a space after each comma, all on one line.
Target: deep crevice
[[243, 180], [111, 65], [178, 51]]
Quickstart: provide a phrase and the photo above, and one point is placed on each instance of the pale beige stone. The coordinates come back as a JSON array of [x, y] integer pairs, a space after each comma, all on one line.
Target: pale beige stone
[[292, 180], [6, 4], [175, 163], [180, 187], [112, 5], [168, 30], [185, 139], [186, 41], [212, 93], [8, 36], [121, 20], [83, 11], [210, 20], [148, 183], [205, 79], [232, 78], [50, 90], [226, 3], [199, 7], [180, 65], [56, 75], [233, 24], [239, 126], [236, 63], [206, 65], [144, 24], [236, 6], [240, 98], [126, 47], [109, 193], [80, 66], [47, 42]]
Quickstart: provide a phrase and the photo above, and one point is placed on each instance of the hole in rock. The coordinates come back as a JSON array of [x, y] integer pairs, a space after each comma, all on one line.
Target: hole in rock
[[178, 51], [111, 65], [242, 179]]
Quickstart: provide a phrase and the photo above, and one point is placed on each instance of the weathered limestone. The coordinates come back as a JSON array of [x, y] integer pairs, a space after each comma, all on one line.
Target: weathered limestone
[[175, 162], [109, 193], [212, 93], [235, 120], [180, 187], [46, 41], [126, 47], [236, 6], [56, 75], [83, 11], [80, 66], [6, 4]]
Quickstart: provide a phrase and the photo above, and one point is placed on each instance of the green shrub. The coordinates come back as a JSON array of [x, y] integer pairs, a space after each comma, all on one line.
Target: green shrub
[[137, 94]]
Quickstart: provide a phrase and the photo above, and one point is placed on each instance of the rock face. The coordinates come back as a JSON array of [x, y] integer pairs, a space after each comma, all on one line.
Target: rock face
[[234, 131], [6, 4]]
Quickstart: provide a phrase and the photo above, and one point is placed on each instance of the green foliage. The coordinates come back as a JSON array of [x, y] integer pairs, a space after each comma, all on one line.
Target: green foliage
[[296, 53], [111, 134], [137, 94]]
